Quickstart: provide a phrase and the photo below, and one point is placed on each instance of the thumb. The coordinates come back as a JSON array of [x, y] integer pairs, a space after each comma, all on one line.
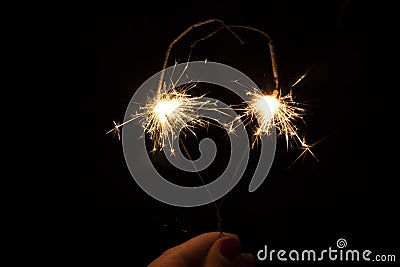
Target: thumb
[[225, 252]]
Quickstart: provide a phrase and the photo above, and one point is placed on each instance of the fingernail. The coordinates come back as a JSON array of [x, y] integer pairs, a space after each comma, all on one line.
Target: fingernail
[[230, 248]]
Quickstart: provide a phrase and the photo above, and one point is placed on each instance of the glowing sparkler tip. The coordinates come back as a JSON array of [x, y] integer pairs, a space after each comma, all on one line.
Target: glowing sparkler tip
[[165, 108], [268, 105]]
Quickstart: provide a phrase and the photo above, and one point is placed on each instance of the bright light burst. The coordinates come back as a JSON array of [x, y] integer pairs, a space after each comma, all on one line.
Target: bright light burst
[[166, 108], [275, 111], [282, 113], [165, 115]]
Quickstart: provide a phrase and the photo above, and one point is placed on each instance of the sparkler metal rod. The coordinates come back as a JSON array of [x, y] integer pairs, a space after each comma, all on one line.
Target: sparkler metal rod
[[217, 208], [274, 64], [193, 26], [272, 51]]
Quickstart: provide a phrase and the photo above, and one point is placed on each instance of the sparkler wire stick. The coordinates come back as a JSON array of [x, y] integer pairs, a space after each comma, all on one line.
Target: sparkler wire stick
[[166, 58], [217, 208], [193, 26], [272, 51]]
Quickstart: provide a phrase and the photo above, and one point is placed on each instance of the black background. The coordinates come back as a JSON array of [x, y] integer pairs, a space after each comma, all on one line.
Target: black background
[[349, 193]]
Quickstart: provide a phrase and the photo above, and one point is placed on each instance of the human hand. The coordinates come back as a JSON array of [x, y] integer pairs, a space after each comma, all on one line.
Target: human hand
[[206, 250]]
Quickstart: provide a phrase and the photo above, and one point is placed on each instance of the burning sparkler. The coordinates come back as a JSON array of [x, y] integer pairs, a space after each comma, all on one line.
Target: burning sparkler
[[174, 110], [170, 108], [274, 110], [167, 113]]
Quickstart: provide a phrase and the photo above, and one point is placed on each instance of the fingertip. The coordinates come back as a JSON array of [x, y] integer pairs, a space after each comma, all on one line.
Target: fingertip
[[225, 252], [229, 247]]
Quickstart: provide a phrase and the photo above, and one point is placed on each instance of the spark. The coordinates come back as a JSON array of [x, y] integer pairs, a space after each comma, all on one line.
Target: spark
[[281, 112], [169, 112], [306, 148], [116, 131], [165, 115], [273, 111]]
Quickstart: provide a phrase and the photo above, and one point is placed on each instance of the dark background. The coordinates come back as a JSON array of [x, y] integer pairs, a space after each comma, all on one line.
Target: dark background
[[349, 193]]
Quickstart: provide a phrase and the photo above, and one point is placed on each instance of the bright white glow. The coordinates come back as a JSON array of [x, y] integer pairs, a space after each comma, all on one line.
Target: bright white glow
[[268, 105], [165, 109]]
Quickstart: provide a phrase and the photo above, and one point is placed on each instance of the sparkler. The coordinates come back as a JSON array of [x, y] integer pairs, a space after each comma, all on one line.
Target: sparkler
[[277, 110], [171, 110], [274, 110], [168, 112]]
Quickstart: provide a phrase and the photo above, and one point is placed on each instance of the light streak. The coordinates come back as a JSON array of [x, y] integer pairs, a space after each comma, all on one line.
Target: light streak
[[116, 131], [306, 148]]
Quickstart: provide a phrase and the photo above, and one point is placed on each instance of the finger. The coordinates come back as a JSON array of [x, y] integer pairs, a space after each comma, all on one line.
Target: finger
[[196, 249], [225, 252], [190, 253]]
